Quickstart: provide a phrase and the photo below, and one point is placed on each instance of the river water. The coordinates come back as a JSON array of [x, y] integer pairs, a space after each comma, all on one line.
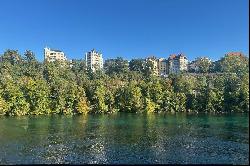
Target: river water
[[125, 138]]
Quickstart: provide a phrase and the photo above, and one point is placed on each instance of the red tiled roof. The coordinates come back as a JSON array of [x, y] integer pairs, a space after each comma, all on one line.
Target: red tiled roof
[[172, 56], [234, 54]]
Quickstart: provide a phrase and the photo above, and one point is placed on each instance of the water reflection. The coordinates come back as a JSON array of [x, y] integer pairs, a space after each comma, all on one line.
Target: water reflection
[[125, 138]]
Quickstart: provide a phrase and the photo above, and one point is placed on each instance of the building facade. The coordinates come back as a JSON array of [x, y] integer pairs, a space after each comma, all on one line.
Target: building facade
[[177, 63], [52, 55], [94, 60], [160, 66], [154, 61]]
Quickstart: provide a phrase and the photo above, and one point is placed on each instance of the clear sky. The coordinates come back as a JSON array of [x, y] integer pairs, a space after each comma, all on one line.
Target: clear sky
[[127, 28]]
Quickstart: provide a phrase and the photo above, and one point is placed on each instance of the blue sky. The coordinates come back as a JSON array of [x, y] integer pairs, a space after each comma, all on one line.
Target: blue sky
[[127, 28]]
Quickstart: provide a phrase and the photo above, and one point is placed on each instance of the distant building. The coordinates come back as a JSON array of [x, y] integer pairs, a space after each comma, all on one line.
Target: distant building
[[154, 61], [177, 63], [159, 65], [94, 60], [52, 55], [240, 54], [162, 67]]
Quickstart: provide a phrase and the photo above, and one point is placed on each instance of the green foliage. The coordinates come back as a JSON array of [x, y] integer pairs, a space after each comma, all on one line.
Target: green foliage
[[36, 94], [234, 64], [150, 105], [116, 66], [28, 87], [204, 65], [98, 99], [244, 93], [129, 98], [232, 93], [11, 56], [12, 94], [141, 66], [3, 106], [83, 106]]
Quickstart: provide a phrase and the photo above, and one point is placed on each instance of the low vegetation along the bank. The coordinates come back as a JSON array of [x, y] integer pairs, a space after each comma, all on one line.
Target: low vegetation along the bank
[[29, 87]]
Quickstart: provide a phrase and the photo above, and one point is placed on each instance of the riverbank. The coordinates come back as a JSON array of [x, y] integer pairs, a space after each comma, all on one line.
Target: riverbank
[[136, 113]]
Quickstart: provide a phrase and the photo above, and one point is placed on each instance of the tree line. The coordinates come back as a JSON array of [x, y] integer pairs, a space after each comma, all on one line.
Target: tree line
[[30, 87]]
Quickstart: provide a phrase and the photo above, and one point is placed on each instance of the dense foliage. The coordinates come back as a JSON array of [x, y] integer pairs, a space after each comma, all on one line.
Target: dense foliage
[[29, 87]]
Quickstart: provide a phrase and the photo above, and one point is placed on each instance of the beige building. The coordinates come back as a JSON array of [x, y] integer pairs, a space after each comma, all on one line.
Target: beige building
[[52, 55], [94, 60], [154, 61], [177, 63], [159, 65]]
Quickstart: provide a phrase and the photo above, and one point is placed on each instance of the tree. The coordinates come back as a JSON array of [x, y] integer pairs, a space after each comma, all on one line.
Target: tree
[[150, 106], [29, 87], [29, 56], [12, 94], [83, 106], [3, 106], [11, 56], [141, 66], [234, 64], [30, 66], [97, 96], [203, 64], [244, 93], [232, 92], [129, 98], [78, 66], [116, 66], [36, 93], [136, 65]]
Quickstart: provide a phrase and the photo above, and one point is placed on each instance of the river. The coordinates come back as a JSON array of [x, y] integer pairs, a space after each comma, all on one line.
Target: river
[[125, 138]]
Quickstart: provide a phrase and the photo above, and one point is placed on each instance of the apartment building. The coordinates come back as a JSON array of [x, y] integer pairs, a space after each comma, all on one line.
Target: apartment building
[[177, 63], [52, 55], [154, 61], [160, 66], [94, 60]]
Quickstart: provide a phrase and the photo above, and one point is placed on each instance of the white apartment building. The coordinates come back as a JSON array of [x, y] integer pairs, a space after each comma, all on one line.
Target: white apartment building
[[94, 60], [177, 63], [52, 55]]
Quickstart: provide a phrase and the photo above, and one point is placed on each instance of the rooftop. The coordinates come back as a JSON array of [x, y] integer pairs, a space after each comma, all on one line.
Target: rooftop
[[234, 54], [174, 56], [93, 50], [55, 50], [151, 57]]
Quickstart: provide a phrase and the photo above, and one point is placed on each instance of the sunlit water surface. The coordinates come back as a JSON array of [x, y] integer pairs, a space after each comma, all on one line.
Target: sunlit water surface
[[125, 138]]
